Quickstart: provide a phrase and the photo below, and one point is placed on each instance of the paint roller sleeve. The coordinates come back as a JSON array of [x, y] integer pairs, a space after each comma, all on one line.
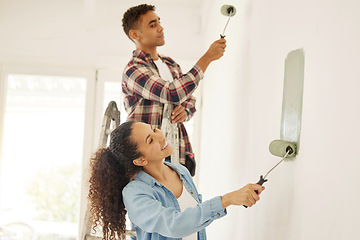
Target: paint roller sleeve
[[280, 147]]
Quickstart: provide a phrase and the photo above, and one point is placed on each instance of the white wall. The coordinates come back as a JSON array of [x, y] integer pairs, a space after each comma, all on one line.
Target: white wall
[[316, 195], [88, 33]]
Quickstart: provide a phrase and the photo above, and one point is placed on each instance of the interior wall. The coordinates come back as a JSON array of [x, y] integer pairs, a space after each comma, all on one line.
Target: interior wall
[[88, 33], [313, 196]]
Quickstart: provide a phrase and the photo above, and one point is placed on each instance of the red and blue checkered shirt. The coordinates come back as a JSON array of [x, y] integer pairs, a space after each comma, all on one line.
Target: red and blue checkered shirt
[[145, 93]]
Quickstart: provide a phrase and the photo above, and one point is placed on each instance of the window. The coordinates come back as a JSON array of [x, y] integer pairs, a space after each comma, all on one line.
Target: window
[[42, 154]]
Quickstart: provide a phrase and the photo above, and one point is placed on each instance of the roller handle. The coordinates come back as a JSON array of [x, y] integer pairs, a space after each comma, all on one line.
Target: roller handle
[[260, 182]]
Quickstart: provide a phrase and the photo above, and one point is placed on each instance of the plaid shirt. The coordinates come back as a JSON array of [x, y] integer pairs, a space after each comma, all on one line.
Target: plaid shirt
[[145, 93]]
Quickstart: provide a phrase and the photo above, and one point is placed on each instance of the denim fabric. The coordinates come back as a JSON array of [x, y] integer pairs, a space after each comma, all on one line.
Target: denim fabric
[[155, 211]]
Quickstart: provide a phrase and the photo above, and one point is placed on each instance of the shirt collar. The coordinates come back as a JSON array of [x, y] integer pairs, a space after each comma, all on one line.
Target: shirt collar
[[147, 58], [145, 177], [142, 55]]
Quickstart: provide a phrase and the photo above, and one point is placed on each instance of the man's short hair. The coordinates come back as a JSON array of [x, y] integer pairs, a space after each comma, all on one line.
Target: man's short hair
[[132, 15]]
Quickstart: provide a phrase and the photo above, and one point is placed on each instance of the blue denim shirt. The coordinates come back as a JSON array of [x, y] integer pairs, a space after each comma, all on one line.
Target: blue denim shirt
[[155, 211]]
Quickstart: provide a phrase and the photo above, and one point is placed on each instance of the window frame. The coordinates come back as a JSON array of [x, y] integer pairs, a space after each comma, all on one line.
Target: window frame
[[88, 137]]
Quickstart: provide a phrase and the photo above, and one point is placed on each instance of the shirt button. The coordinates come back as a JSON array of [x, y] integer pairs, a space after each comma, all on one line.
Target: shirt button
[[218, 214], [192, 192]]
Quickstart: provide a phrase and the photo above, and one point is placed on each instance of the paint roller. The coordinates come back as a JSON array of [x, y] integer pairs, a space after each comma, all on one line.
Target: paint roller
[[229, 11], [279, 148]]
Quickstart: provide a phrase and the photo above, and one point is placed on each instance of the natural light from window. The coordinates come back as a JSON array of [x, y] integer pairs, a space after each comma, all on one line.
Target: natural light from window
[[42, 155]]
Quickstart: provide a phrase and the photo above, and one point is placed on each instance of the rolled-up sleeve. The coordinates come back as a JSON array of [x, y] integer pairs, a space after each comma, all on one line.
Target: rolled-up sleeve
[[189, 106]]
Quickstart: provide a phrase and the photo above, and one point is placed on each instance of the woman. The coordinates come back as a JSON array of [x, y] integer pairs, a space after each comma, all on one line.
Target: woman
[[160, 198]]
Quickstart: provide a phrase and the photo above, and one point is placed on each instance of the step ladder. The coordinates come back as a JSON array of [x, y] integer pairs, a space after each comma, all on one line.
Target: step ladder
[[111, 120]]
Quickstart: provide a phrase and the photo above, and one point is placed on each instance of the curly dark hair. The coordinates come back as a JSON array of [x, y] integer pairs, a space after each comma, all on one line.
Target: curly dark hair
[[111, 169], [131, 17]]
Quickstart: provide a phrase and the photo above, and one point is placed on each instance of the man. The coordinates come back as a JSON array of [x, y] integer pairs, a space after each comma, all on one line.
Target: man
[[155, 89]]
